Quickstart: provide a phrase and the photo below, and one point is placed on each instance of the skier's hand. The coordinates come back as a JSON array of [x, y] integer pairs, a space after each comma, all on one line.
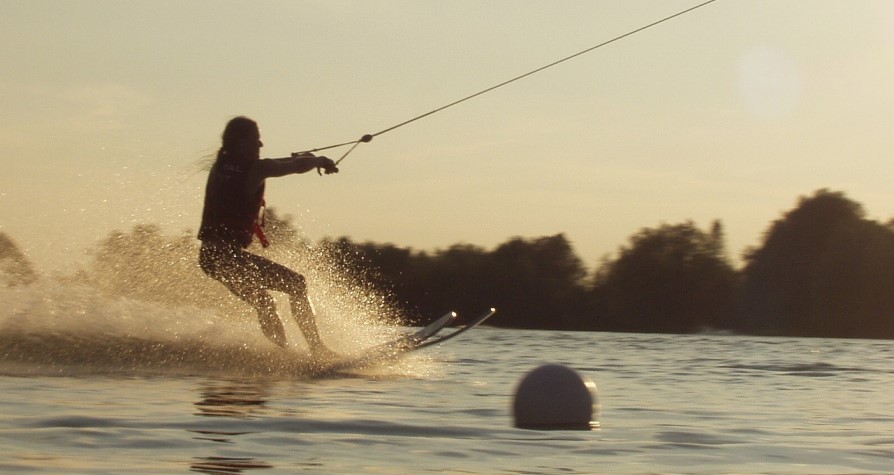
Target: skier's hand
[[326, 164]]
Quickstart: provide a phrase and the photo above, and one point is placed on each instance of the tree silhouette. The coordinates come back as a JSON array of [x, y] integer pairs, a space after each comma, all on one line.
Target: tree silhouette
[[674, 278], [823, 270], [538, 283], [15, 268]]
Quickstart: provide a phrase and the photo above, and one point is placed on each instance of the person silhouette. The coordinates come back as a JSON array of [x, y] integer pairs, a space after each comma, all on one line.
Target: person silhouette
[[232, 217]]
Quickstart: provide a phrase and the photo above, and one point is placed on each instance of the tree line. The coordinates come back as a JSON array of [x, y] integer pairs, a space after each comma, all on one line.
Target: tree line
[[821, 270]]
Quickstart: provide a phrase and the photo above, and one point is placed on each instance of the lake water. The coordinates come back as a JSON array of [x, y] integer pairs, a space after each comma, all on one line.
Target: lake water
[[80, 395]]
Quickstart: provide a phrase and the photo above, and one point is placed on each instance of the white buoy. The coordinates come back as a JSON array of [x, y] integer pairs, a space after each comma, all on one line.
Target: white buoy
[[555, 397]]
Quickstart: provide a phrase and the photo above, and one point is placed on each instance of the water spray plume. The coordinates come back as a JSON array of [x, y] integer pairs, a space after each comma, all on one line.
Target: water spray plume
[[142, 306]]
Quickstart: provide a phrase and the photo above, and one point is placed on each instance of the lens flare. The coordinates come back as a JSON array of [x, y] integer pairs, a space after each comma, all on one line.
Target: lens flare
[[770, 83]]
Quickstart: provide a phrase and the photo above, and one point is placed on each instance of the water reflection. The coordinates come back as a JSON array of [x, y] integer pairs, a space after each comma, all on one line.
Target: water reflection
[[238, 399], [229, 399], [225, 465]]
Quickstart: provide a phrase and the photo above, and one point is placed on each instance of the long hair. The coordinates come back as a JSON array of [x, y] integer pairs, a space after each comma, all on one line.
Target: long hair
[[238, 128]]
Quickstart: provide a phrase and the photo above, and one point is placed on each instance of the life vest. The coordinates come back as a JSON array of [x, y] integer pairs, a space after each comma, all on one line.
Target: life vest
[[231, 214]]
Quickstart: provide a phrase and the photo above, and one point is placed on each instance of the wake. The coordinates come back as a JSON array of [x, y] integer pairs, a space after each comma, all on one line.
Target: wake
[[55, 328], [133, 319], [142, 306]]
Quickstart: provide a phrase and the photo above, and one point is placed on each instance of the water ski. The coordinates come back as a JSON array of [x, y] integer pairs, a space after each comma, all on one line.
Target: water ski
[[389, 350], [429, 335], [455, 333], [403, 344], [412, 340]]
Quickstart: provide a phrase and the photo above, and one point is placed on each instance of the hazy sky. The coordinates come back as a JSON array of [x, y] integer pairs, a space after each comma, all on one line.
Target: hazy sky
[[731, 112]]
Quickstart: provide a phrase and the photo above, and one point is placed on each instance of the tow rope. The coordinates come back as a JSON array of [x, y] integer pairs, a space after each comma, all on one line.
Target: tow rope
[[368, 137]]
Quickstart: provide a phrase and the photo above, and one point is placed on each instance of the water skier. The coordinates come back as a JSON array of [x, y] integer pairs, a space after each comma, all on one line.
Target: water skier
[[234, 199]]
